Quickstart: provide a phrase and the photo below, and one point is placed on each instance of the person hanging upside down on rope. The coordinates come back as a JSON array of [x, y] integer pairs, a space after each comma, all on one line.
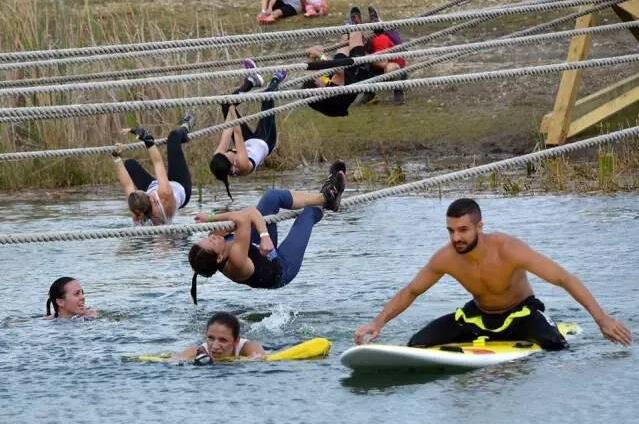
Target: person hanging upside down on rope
[[492, 267], [157, 199], [252, 255], [223, 341], [250, 148], [338, 105], [67, 298], [272, 10]]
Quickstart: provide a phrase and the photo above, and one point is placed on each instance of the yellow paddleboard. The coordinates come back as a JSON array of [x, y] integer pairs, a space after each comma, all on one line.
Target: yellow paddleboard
[[310, 349]]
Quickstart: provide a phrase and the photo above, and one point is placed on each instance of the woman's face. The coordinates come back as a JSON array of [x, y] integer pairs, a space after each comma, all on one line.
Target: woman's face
[[231, 155], [73, 301], [220, 341]]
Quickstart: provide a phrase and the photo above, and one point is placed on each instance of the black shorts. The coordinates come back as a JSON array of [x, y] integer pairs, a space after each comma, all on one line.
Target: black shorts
[[287, 9], [357, 73], [534, 327]]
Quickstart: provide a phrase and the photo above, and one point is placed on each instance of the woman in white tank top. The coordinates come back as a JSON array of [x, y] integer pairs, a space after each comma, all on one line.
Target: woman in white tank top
[[250, 147], [222, 341]]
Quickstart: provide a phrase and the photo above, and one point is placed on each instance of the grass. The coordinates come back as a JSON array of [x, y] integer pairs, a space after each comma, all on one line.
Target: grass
[[443, 125]]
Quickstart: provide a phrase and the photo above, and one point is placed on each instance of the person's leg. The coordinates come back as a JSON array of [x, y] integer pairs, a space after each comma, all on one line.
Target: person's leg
[[291, 251], [441, 331], [141, 178], [539, 329], [266, 128], [246, 131], [178, 169], [269, 204]]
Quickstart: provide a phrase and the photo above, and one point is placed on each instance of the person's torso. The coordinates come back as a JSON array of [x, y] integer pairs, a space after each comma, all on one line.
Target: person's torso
[[257, 151], [166, 211], [495, 283], [267, 271]]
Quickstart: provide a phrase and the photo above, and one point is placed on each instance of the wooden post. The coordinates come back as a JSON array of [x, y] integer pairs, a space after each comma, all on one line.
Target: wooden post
[[569, 85], [628, 11]]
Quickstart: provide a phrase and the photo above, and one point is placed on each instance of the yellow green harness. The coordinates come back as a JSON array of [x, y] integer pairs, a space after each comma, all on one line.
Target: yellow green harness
[[479, 322]]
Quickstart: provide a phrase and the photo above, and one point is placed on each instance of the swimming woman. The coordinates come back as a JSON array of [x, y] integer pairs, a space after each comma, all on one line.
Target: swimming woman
[[67, 298], [223, 341]]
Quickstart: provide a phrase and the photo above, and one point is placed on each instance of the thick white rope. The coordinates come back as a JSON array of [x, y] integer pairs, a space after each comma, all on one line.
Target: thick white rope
[[207, 76], [614, 137], [91, 109], [91, 54]]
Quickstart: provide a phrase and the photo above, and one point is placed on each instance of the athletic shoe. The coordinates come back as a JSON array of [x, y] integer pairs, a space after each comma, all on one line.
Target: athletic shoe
[[256, 79], [373, 16], [398, 96], [141, 133], [310, 11], [334, 186], [366, 97], [355, 16], [249, 63], [280, 75], [188, 121]]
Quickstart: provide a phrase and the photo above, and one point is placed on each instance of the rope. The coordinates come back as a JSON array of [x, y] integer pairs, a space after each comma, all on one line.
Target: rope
[[614, 137], [91, 109], [192, 78], [91, 54]]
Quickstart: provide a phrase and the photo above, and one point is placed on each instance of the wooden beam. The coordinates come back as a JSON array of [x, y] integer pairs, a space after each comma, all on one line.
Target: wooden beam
[[569, 85], [628, 11], [594, 100], [604, 111]]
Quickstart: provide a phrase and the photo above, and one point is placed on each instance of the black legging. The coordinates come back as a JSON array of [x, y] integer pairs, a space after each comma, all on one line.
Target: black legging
[[266, 129], [177, 171]]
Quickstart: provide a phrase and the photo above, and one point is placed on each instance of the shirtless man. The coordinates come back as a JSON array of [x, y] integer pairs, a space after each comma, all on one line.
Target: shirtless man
[[492, 267]]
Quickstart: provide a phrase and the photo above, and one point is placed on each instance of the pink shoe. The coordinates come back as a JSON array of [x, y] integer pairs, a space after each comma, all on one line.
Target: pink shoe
[[310, 11]]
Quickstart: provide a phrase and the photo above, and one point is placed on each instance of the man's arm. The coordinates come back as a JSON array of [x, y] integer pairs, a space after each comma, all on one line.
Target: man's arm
[[545, 268], [424, 280]]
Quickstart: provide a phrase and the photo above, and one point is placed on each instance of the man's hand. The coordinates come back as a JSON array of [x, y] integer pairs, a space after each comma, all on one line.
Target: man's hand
[[202, 218], [366, 333], [615, 331], [117, 151], [266, 245]]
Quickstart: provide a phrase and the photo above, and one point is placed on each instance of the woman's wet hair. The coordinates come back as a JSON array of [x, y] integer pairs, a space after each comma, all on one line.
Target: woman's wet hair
[[226, 319], [221, 166], [203, 263], [56, 291], [464, 206], [139, 202]]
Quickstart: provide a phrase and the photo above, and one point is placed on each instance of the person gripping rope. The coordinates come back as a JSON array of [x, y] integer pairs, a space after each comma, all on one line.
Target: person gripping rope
[[157, 199], [252, 255], [241, 150], [492, 268]]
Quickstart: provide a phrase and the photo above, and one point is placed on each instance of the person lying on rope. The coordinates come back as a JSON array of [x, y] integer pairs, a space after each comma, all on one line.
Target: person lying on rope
[[157, 199], [272, 10], [67, 298], [251, 255], [223, 341], [240, 150], [492, 267], [380, 41]]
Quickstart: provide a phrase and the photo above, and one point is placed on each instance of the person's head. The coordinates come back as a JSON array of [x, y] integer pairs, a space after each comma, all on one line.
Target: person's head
[[222, 334], [314, 83], [221, 166], [206, 258], [464, 224], [67, 298], [140, 205]]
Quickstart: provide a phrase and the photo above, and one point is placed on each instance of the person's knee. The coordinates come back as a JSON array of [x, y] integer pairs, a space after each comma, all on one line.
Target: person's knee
[[315, 212], [391, 67]]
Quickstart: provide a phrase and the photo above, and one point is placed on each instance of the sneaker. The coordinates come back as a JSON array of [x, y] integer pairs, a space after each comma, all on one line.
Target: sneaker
[[188, 121], [142, 134], [398, 97], [249, 63], [355, 16], [373, 16], [256, 79], [366, 98], [310, 11], [280, 75], [334, 186]]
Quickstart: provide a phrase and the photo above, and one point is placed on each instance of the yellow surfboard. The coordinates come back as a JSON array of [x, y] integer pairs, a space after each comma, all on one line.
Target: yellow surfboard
[[310, 349]]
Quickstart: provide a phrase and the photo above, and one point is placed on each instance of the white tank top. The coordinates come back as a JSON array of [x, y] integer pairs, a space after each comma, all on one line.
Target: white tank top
[[237, 350], [257, 151], [179, 194]]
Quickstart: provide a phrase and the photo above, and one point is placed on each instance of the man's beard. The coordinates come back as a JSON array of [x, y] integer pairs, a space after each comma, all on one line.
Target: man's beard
[[469, 247]]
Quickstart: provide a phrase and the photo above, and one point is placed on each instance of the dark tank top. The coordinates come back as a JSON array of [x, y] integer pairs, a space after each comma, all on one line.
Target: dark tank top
[[268, 271]]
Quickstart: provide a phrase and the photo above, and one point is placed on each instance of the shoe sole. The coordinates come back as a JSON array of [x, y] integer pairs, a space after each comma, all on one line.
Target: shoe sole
[[341, 179]]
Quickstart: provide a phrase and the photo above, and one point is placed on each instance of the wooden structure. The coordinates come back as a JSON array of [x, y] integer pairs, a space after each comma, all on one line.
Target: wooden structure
[[571, 116]]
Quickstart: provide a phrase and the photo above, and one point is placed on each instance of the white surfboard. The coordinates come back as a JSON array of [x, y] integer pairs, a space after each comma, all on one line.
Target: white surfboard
[[448, 357]]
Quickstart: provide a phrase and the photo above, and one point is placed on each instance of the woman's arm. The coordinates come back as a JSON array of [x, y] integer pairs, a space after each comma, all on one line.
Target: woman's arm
[[123, 175], [253, 350]]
